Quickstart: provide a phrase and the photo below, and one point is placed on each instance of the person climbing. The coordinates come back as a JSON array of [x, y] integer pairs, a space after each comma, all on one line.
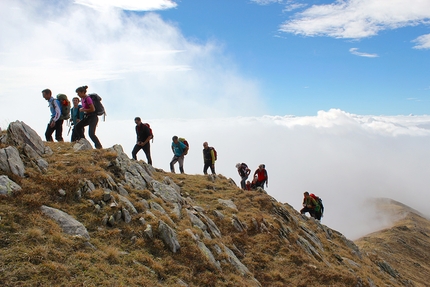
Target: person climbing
[[55, 123], [309, 204], [209, 157], [90, 118], [244, 171], [179, 150], [262, 176], [76, 115], [319, 209], [143, 137]]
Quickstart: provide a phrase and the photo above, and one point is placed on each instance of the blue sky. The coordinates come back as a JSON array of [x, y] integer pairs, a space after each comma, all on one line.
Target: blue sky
[[332, 96]]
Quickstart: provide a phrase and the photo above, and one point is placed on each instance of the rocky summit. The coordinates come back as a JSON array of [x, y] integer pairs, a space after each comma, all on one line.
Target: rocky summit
[[74, 216]]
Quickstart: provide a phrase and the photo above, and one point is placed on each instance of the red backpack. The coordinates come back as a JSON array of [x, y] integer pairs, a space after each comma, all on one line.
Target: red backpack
[[150, 131]]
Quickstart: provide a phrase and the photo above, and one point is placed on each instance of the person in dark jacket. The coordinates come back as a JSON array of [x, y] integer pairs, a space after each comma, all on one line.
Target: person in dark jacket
[[143, 137], [208, 158], [244, 171], [262, 176], [76, 116]]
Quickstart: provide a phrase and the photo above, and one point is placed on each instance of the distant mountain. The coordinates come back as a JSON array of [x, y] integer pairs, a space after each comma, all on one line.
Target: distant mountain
[[74, 216]]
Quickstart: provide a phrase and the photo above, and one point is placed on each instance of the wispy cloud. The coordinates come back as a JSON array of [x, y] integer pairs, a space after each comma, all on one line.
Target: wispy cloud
[[266, 2], [423, 42], [357, 18], [354, 51], [131, 5]]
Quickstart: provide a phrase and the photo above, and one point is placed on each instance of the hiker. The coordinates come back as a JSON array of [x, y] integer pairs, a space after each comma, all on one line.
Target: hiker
[[244, 172], [309, 204], [209, 158], [179, 151], [77, 115], [262, 176], [143, 137], [319, 209], [55, 123], [90, 118]]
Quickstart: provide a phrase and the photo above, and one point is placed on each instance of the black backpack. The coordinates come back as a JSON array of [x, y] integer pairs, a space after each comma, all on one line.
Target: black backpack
[[97, 102]]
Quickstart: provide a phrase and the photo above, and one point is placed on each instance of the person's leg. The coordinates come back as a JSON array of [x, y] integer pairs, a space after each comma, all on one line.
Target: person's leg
[[78, 131], [212, 166], [93, 120], [135, 150], [172, 163], [48, 133], [181, 163], [205, 168], [59, 130], [243, 182], [147, 149]]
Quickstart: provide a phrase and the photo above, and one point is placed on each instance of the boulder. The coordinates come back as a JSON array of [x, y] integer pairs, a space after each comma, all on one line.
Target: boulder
[[229, 203], [82, 144], [168, 236], [20, 134], [11, 162], [167, 192], [67, 223], [7, 186]]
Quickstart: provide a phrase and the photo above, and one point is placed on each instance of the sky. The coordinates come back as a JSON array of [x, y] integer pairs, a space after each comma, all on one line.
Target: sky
[[332, 96]]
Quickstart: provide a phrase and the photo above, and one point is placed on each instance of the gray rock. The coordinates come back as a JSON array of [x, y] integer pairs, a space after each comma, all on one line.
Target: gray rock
[[168, 236], [181, 283], [229, 203], [218, 214], [309, 248], [127, 203], [145, 203], [148, 232], [208, 254], [168, 181], [196, 221], [11, 162], [126, 215], [20, 134], [81, 145], [142, 221], [111, 220], [212, 226], [166, 192], [42, 164], [177, 210], [237, 224], [107, 195], [122, 190], [67, 223], [235, 262], [388, 269], [156, 206], [86, 186], [7, 186], [62, 192]]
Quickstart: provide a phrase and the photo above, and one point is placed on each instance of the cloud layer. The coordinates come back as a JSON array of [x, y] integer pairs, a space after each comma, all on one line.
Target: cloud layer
[[360, 19]]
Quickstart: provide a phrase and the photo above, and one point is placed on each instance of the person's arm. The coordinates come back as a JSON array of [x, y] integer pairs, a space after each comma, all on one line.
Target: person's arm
[[213, 156], [267, 178], [57, 109]]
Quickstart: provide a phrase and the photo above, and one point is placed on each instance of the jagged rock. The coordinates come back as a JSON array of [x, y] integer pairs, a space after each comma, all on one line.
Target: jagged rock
[[156, 206], [308, 248], [168, 181], [105, 219], [11, 162], [145, 203], [387, 268], [108, 182], [212, 226], [127, 203], [229, 203], [148, 232], [142, 221], [81, 145], [218, 214], [122, 190], [111, 220], [177, 210], [237, 224], [86, 186], [67, 223], [309, 234], [351, 262], [195, 237], [20, 134], [7, 186], [166, 192], [196, 221], [33, 155], [150, 214], [126, 215], [118, 216], [107, 195], [168, 235], [208, 254], [42, 164], [243, 270]]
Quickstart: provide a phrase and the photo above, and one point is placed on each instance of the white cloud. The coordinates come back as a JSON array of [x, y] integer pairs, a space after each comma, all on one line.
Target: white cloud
[[358, 18], [423, 42], [354, 51], [132, 5], [266, 2]]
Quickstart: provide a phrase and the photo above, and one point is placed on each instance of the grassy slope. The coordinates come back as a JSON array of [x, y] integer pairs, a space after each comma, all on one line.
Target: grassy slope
[[35, 252]]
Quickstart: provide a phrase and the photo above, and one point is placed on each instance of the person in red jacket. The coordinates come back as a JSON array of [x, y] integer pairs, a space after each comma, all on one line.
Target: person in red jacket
[[262, 176]]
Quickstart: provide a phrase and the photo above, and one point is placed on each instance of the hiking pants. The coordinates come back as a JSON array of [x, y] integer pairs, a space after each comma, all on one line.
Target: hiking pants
[[260, 183], [208, 164], [307, 209], [90, 120], [146, 148], [176, 159], [58, 128], [243, 182]]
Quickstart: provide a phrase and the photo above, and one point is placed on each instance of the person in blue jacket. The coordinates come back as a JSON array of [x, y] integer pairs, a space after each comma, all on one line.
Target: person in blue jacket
[[77, 115], [179, 150]]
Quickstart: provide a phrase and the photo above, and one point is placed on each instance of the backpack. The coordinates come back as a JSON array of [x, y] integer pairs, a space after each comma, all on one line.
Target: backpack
[[97, 102], [64, 106], [320, 206], [184, 141], [150, 131], [215, 153]]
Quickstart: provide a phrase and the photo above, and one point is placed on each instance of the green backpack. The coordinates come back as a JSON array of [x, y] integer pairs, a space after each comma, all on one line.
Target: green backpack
[[64, 106]]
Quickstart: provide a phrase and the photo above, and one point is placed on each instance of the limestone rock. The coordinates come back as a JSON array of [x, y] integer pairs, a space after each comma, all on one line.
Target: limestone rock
[[168, 236], [166, 192], [229, 203], [82, 144], [7, 186], [127, 203], [11, 162], [67, 223], [208, 254], [20, 134]]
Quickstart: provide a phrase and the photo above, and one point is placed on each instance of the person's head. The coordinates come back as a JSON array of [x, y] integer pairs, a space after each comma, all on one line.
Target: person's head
[[205, 145], [76, 101], [261, 166], [175, 139], [306, 194], [137, 120], [238, 165], [46, 94], [82, 91]]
